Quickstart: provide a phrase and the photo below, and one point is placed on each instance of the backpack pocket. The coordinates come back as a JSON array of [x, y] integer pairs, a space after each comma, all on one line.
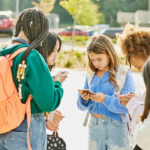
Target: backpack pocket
[[12, 112], [2, 116]]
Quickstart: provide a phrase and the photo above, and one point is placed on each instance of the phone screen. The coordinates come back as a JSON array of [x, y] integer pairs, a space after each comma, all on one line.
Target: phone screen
[[87, 91]]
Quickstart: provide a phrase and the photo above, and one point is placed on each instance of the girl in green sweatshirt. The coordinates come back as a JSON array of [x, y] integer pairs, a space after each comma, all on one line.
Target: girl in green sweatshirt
[[33, 27]]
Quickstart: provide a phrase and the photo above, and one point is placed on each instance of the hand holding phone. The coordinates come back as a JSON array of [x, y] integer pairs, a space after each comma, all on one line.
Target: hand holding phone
[[85, 93], [61, 76], [65, 72]]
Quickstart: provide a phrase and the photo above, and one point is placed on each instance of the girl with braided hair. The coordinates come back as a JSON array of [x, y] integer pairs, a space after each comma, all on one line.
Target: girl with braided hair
[[31, 31], [135, 45]]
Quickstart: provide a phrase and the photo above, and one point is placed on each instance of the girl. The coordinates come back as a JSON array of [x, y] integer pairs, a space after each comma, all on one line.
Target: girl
[[142, 130], [32, 28], [106, 129], [135, 45], [54, 47]]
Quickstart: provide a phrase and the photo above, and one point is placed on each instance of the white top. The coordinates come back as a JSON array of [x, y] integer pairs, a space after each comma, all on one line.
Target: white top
[[141, 134], [135, 107]]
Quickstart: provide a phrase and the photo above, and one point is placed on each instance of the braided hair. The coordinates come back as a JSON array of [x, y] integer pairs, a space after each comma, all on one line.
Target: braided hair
[[35, 25]]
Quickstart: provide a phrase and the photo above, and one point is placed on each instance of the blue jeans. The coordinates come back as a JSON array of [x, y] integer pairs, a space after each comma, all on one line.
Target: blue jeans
[[17, 138], [107, 133]]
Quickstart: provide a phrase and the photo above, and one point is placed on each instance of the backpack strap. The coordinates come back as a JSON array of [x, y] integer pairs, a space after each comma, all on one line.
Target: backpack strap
[[120, 77], [89, 79], [28, 112], [10, 57]]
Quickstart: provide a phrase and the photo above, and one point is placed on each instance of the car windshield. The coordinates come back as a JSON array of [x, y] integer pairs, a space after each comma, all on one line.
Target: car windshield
[[3, 17], [113, 31]]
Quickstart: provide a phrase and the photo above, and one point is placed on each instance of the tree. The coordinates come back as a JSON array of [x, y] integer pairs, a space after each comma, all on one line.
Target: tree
[[74, 7], [82, 11], [46, 5], [90, 15]]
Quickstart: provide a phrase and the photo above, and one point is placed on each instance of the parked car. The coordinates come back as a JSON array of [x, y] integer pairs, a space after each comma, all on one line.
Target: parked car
[[111, 32], [69, 31], [7, 22]]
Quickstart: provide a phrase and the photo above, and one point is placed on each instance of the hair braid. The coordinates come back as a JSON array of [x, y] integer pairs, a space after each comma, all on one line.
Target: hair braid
[[35, 25]]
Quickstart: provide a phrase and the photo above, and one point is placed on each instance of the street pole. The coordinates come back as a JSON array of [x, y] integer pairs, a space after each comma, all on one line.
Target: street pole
[[17, 8], [41, 4]]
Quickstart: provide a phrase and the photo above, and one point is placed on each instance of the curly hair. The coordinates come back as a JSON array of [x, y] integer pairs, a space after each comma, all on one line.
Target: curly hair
[[101, 44], [134, 41]]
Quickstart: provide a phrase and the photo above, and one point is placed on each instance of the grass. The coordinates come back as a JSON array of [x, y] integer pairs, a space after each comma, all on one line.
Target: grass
[[79, 40]]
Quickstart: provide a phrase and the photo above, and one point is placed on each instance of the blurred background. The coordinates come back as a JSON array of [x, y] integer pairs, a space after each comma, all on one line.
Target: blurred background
[[75, 21]]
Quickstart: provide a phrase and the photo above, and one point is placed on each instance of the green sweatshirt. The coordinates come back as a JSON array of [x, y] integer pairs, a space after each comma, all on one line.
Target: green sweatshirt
[[38, 82]]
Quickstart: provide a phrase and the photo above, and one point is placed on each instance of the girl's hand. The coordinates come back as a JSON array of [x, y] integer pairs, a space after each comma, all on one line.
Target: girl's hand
[[125, 98], [57, 117], [52, 126], [60, 77], [85, 96], [58, 112], [98, 97]]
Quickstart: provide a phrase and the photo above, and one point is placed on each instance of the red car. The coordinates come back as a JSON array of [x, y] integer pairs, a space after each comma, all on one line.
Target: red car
[[68, 32], [7, 22]]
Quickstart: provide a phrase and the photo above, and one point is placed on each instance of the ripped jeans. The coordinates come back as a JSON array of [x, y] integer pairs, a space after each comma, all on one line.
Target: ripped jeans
[[17, 138], [107, 134]]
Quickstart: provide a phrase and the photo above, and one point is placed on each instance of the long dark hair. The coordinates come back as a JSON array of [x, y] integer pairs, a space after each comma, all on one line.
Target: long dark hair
[[146, 76], [35, 25], [51, 42]]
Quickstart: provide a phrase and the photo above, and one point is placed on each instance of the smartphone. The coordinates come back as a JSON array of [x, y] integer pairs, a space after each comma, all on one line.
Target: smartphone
[[87, 91], [65, 72]]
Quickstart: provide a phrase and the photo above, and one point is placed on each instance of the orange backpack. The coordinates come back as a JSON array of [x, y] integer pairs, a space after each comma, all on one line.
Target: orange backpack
[[12, 110]]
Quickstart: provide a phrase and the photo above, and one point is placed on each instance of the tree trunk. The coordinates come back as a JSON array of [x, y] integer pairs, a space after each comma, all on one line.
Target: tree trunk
[[73, 34]]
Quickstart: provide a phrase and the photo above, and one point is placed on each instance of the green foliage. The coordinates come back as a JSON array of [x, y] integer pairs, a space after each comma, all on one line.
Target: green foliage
[[78, 55], [81, 40], [114, 41], [107, 8], [89, 12], [123, 59], [85, 10], [74, 7], [60, 55], [68, 64]]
